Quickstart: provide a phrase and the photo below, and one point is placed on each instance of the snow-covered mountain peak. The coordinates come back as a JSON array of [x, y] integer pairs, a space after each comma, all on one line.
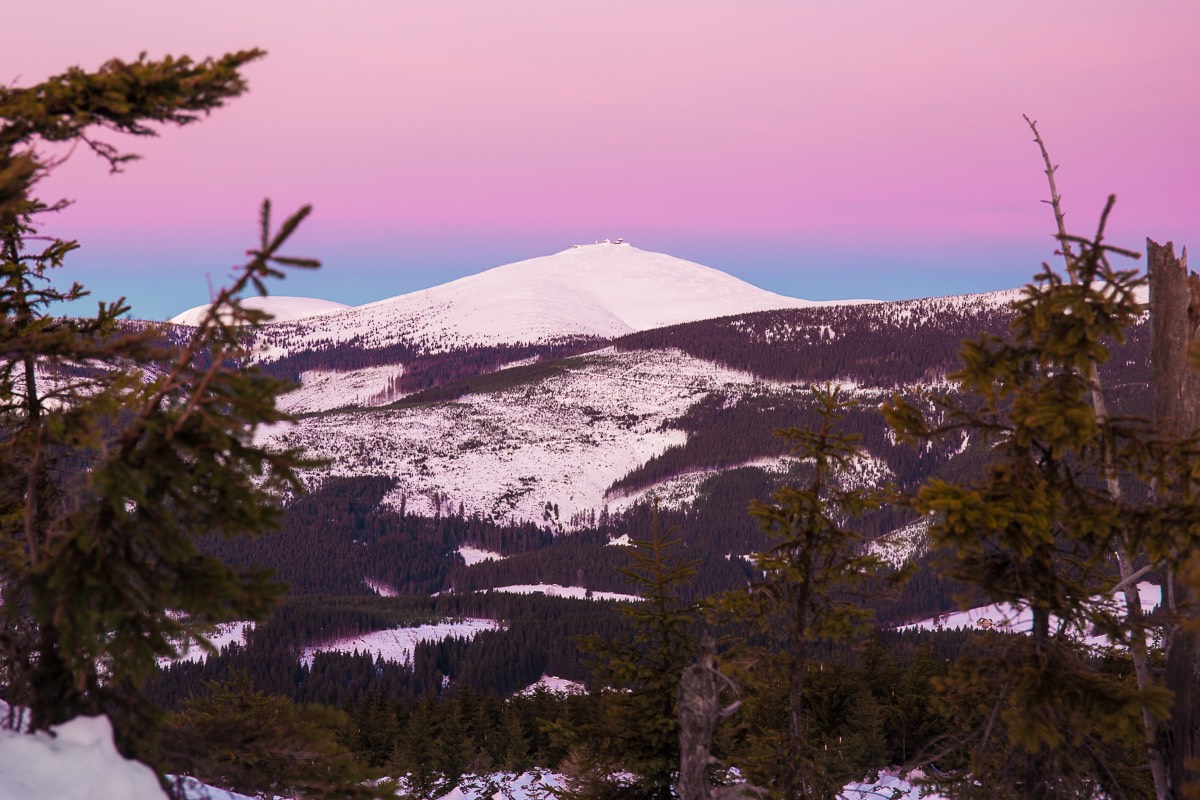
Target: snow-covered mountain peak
[[604, 290]]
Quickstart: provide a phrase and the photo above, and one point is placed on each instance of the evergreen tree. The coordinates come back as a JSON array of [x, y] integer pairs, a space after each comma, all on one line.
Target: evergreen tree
[[120, 443], [265, 745], [635, 681], [806, 590], [1039, 530]]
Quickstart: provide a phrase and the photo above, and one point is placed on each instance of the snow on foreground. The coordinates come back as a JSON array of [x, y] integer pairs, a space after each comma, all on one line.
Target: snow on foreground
[[399, 644], [79, 762], [603, 290], [505, 454], [281, 308], [539, 785]]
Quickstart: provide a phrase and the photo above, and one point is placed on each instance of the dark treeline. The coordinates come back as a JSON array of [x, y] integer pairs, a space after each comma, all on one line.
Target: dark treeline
[[334, 538], [338, 537], [881, 345], [538, 637], [870, 704]]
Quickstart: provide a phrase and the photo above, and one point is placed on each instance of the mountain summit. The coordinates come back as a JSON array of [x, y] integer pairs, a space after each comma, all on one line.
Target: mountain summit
[[601, 290]]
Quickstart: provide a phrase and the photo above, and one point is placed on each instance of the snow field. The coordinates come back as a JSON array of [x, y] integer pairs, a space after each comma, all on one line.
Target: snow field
[[903, 544], [399, 644], [474, 555], [1010, 619], [554, 590], [225, 634], [505, 454], [323, 390], [553, 685]]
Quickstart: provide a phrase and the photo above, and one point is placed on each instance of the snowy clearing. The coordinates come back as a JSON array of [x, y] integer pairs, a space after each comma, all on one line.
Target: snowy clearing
[[1009, 619], [554, 590], [399, 644], [553, 685], [475, 555]]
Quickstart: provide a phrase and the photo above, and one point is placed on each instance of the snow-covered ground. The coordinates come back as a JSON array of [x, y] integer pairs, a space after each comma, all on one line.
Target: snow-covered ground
[[399, 644], [553, 685], [903, 544], [505, 454], [78, 762], [322, 390], [223, 635], [554, 590], [475, 555], [679, 490], [1007, 618], [380, 588], [540, 785]]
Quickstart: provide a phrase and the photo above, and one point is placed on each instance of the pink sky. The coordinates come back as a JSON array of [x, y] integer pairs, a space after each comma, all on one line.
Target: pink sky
[[822, 150]]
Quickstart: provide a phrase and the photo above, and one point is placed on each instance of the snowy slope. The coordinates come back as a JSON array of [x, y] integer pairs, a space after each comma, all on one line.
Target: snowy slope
[[602, 290], [279, 307], [562, 440], [399, 644], [1010, 619]]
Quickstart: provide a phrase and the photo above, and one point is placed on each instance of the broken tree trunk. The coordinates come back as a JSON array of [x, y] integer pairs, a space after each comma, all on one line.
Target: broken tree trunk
[[699, 712], [1175, 320]]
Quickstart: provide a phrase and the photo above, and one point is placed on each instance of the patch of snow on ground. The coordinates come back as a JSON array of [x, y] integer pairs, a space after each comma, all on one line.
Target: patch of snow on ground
[[533, 785], [889, 786], [903, 544], [539, 785], [380, 588], [554, 590], [225, 634], [78, 762], [622, 541], [195, 790], [324, 390], [679, 490], [505, 454], [475, 555], [553, 685], [1009, 619], [399, 644]]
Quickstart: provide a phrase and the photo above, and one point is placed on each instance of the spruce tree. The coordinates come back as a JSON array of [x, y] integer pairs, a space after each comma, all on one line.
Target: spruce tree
[[121, 443], [1039, 715], [635, 681], [807, 590], [254, 743]]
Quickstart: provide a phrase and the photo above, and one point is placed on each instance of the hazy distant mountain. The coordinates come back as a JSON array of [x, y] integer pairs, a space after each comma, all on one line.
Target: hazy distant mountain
[[280, 307]]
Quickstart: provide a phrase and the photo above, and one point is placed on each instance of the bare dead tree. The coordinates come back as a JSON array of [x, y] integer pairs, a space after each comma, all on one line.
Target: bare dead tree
[[700, 710], [1175, 320], [1124, 552]]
